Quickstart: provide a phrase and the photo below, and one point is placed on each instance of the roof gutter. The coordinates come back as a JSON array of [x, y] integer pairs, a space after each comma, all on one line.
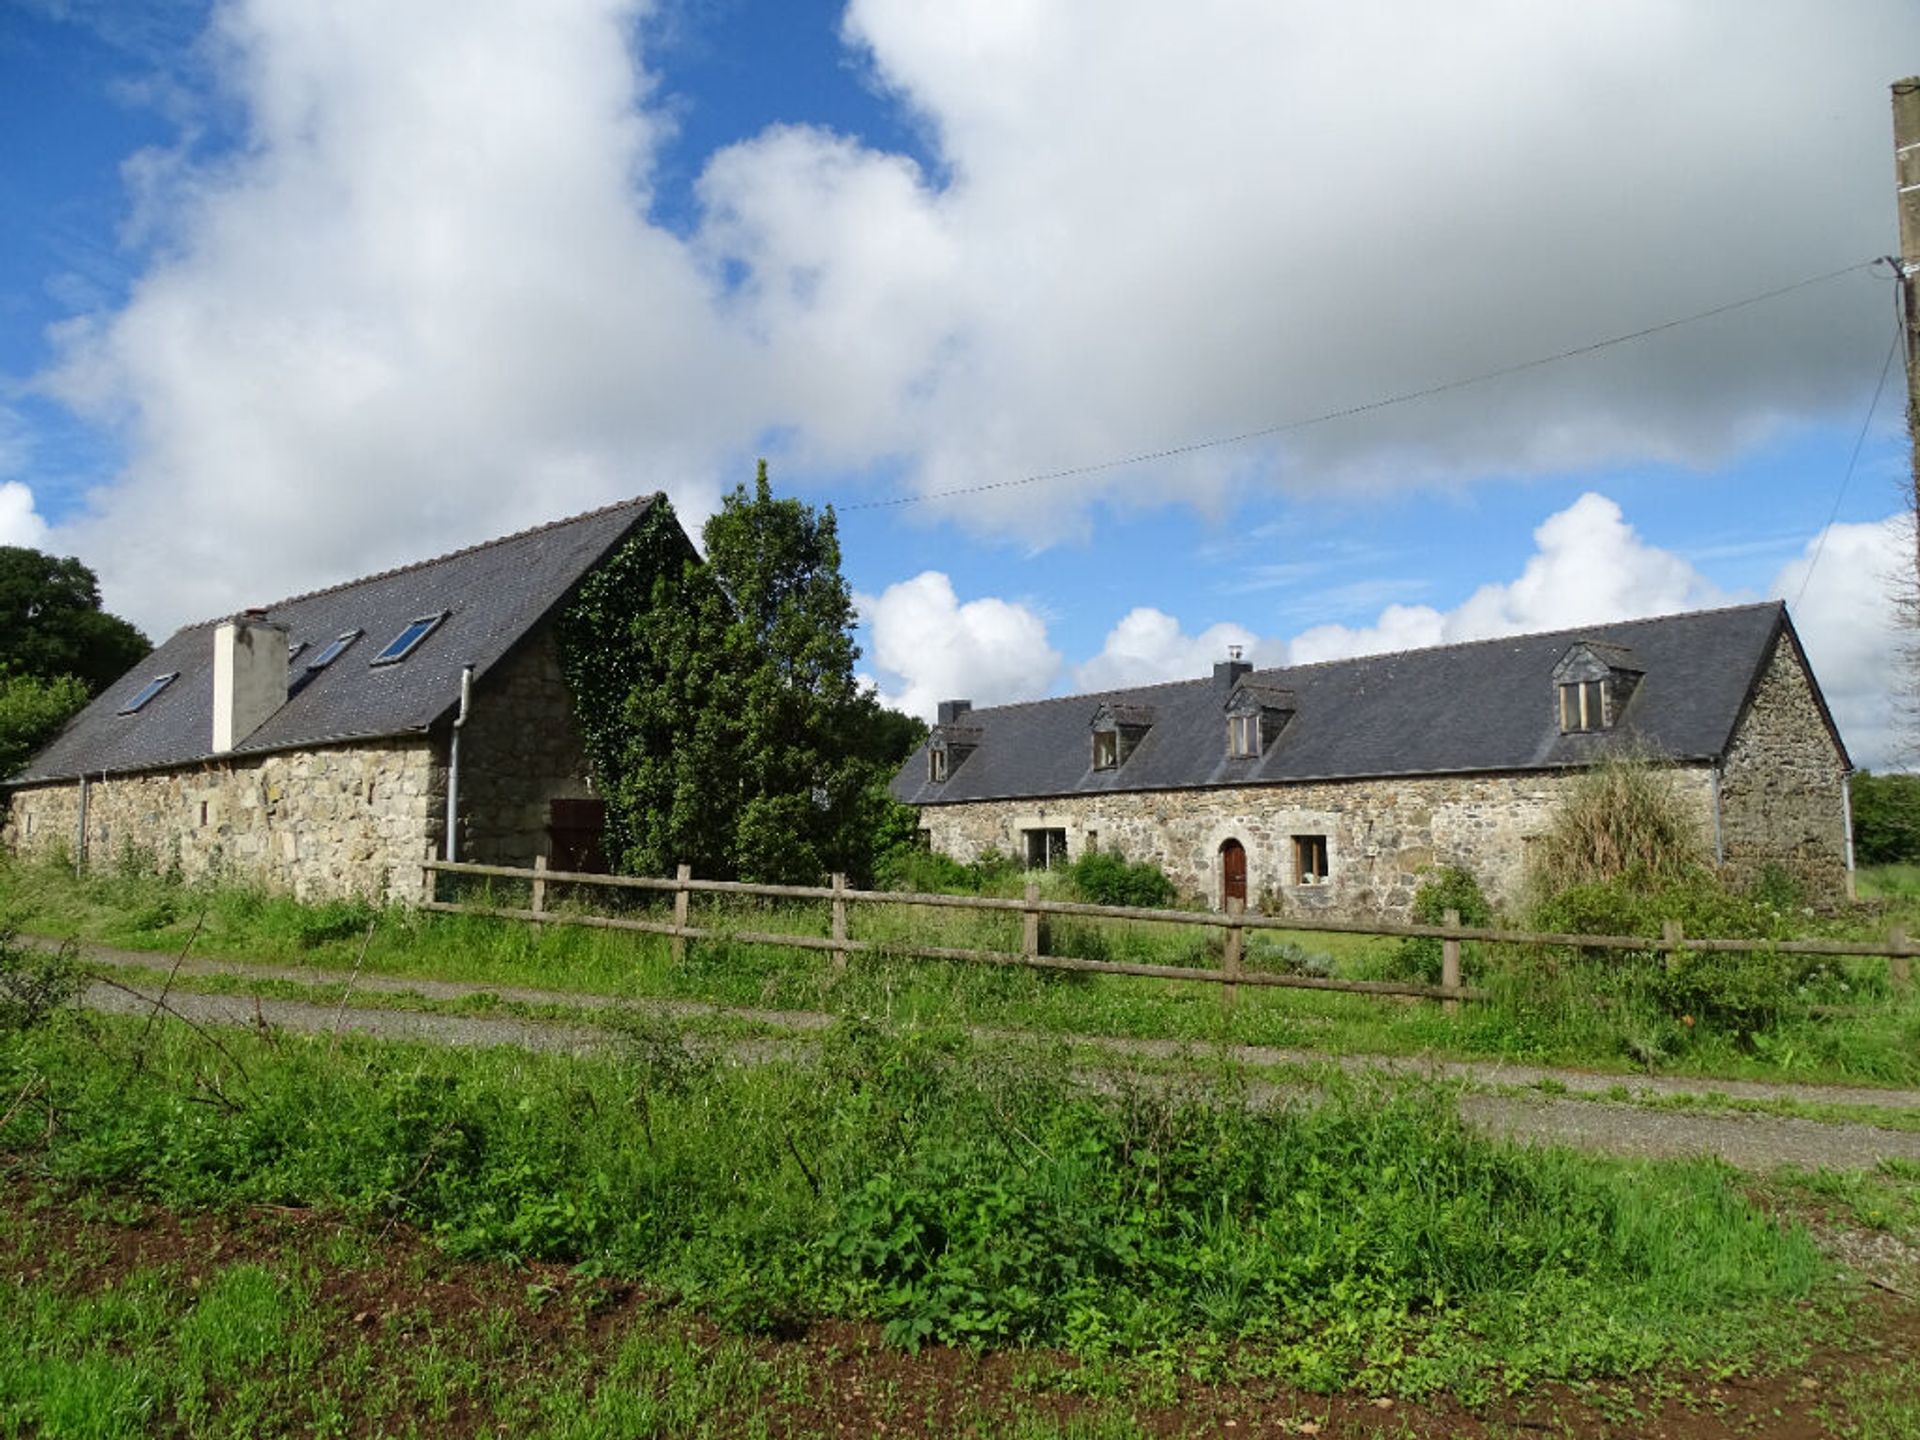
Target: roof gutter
[[452, 846]]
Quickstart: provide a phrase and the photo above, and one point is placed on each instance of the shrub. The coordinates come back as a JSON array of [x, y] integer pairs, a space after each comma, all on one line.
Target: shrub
[[1741, 992], [32, 710], [928, 872], [1449, 887], [1622, 816], [1102, 877], [1886, 817], [35, 984]]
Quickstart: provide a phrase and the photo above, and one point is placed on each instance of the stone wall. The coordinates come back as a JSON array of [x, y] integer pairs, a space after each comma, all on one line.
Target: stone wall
[[1380, 834], [519, 751], [340, 820], [1782, 784]]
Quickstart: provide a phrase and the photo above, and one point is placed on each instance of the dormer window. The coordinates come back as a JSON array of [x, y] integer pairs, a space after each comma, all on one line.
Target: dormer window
[[948, 748], [1583, 706], [1117, 729], [1256, 714], [1592, 684]]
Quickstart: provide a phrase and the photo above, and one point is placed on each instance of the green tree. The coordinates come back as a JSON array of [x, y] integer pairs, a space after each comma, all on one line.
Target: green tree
[[51, 623], [1886, 818], [723, 720], [32, 710], [806, 745]]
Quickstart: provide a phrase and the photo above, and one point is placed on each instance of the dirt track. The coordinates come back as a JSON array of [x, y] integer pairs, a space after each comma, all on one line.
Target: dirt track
[[1750, 1141]]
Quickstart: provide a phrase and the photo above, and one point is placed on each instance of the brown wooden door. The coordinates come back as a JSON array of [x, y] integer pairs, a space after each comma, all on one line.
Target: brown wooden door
[[573, 832], [1233, 872]]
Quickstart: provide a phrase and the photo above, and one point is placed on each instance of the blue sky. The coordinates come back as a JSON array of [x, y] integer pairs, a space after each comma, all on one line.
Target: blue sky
[[289, 293]]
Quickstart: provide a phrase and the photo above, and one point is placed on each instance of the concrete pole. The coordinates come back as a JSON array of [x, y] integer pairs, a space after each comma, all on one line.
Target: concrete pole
[[1906, 169]]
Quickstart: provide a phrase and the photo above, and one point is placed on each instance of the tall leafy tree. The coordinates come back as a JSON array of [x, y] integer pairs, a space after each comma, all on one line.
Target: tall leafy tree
[[793, 713], [724, 720], [51, 623]]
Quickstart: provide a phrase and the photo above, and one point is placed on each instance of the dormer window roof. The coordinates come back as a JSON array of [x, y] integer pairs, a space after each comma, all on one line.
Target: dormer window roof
[[1592, 683], [948, 748], [1256, 714], [1118, 727]]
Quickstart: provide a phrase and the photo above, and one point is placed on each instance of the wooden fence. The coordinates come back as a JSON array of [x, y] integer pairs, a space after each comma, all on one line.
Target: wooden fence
[[1897, 950]]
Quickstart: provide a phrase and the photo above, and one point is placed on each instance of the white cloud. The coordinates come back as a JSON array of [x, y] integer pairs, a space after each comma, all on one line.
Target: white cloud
[[988, 650], [1148, 646], [423, 304], [1848, 617], [20, 523], [1589, 565]]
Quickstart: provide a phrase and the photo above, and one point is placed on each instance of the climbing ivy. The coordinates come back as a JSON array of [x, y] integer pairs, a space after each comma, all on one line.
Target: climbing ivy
[[722, 715]]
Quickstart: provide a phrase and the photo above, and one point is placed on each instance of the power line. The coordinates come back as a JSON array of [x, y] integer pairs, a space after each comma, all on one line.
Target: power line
[[1193, 447], [1866, 423]]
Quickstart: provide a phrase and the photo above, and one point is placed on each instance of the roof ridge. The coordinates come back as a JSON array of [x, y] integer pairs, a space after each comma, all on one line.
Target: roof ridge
[[636, 500], [1583, 631]]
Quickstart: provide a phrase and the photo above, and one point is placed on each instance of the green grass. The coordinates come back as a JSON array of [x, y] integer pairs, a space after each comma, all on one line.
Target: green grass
[[954, 1192], [1609, 1014]]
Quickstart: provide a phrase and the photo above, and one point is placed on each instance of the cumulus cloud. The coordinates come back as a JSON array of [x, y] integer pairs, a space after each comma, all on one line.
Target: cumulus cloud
[[1843, 592], [424, 303], [988, 650], [20, 523], [1589, 565], [1148, 646]]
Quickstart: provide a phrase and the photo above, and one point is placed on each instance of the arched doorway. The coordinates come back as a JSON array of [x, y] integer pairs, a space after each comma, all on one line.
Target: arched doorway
[[1233, 872]]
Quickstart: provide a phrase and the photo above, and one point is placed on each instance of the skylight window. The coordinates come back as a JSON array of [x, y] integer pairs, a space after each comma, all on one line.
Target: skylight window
[[332, 653], [403, 644], [152, 688], [294, 649]]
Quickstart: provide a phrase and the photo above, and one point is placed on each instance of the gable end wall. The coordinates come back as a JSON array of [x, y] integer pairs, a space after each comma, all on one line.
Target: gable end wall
[[1782, 784]]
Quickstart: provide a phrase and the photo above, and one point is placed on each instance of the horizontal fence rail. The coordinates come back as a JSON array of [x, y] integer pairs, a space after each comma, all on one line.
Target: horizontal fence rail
[[1898, 949]]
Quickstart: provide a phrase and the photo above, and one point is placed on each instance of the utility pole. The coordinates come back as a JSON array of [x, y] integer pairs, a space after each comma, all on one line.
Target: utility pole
[[1906, 170]]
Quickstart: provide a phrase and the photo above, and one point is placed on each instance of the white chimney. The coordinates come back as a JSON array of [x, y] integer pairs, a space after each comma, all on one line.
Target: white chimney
[[249, 676]]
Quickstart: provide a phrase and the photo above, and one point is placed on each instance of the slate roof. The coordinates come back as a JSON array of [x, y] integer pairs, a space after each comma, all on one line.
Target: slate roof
[[1488, 705], [495, 592]]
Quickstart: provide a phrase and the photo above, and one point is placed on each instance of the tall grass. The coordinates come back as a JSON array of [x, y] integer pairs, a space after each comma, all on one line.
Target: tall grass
[[953, 1192], [1624, 816]]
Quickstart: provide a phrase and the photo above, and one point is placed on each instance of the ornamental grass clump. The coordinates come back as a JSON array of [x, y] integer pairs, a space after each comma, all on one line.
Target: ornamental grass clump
[[1623, 817]]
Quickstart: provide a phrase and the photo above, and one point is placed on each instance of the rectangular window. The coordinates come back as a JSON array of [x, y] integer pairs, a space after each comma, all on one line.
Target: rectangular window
[[1045, 848], [923, 838], [404, 644], [1106, 749], [1310, 859], [936, 765], [152, 688], [1243, 736], [334, 647], [1582, 707]]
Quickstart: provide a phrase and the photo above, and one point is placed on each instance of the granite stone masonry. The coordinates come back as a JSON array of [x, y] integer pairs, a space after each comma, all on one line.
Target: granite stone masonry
[[521, 750], [1377, 769], [322, 823]]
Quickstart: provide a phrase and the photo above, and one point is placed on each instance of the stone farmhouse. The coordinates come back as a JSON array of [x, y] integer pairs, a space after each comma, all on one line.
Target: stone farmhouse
[[1330, 788], [327, 744]]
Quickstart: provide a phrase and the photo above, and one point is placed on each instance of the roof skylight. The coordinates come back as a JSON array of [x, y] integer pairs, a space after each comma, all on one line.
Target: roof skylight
[[152, 688], [403, 644], [334, 646]]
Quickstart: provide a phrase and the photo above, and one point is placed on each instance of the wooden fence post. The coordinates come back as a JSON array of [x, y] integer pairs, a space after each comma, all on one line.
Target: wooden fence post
[[1899, 966], [681, 876], [539, 884], [1230, 962], [1030, 923], [1670, 937], [839, 904], [1450, 961]]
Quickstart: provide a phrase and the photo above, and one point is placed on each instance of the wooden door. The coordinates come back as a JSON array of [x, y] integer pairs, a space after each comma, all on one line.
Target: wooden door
[[1233, 872], [573, 833]]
